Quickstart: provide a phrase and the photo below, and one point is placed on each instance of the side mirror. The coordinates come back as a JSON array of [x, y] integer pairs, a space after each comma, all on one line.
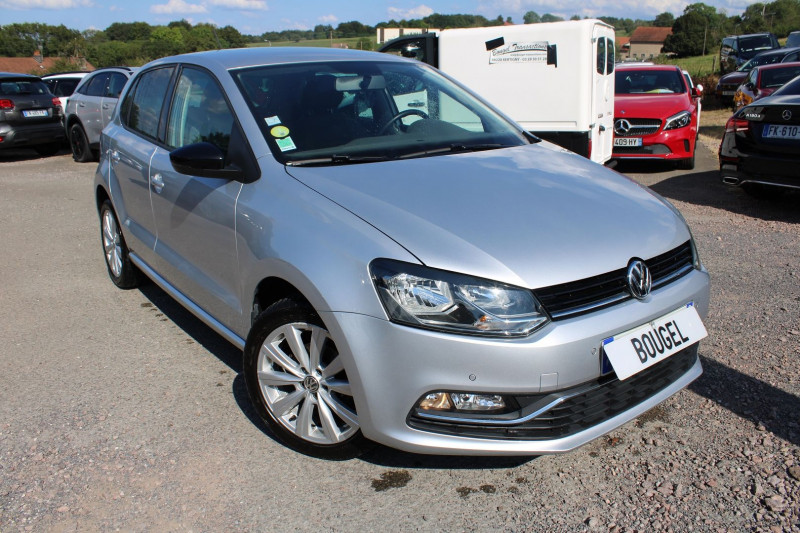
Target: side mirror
[[697, 91], [203, 159]]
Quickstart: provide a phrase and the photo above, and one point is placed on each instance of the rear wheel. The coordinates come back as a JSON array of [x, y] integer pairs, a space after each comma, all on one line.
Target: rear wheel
[[122, 272], [298, 385], [81, 152]]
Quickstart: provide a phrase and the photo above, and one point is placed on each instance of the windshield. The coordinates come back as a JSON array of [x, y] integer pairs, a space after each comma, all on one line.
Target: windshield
[[15, 87], [766, 59], [750, 46], [777, 77], [649, 82], [348, 112]]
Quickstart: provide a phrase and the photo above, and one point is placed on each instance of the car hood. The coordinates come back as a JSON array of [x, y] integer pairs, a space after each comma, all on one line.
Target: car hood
[[529, 216], [659, 106], [733, 78]]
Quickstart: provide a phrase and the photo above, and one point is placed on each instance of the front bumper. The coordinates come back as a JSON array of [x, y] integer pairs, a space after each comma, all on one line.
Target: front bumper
[[668, 145], [391, 367]]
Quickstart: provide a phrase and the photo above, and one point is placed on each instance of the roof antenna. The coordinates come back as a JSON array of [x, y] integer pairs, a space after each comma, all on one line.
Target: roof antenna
[[214, 29]]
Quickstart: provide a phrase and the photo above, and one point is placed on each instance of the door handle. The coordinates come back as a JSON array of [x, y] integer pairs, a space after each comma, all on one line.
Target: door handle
[[157, 182], [115, 157], [602, 128], [106, 106]]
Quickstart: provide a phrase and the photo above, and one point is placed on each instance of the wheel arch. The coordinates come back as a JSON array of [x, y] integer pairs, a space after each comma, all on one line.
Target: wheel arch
[[272, 289]]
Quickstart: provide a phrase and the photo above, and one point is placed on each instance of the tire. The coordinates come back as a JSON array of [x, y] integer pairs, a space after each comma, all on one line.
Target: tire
[[47, 150], [298, 384], [81, 152], [122, 272]]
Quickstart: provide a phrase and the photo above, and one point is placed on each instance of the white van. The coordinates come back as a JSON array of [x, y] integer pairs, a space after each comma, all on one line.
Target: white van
[[554, 79]]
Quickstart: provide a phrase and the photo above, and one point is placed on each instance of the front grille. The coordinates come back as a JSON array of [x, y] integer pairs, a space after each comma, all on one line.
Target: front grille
[[582, 407], [652, 149], [638, 126], [583, 296]]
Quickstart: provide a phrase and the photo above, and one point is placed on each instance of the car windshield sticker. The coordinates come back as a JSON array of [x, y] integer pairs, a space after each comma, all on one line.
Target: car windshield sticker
[[285, 144], [279, 132], [273, 120]]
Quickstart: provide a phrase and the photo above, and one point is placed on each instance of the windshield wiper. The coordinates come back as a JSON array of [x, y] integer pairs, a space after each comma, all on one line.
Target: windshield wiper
[[455, 148], [337, 159]]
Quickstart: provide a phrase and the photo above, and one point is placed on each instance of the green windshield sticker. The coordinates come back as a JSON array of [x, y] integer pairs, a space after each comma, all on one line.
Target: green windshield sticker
[[285, 144]]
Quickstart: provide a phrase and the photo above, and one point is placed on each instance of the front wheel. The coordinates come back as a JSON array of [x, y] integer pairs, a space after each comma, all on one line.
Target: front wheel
[[687, 164], [298, 384]]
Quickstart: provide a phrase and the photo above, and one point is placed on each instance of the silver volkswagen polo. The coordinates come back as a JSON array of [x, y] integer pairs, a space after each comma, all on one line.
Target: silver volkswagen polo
[[399, 262]]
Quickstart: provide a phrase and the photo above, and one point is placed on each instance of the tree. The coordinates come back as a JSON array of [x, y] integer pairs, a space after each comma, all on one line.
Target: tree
[[664, 20], [547, 17], [531, 17], [688, 35], [129, 31]]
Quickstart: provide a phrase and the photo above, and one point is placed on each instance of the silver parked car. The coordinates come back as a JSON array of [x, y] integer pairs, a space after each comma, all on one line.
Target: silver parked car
[[90, 107], [435, 280]]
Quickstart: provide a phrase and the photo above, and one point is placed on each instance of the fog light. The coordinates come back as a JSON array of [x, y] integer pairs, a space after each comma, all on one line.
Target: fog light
[[436, 400], [477, 402]]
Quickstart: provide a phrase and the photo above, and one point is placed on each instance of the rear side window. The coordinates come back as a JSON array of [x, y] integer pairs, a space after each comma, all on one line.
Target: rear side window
[[199, 112], [141, 109]]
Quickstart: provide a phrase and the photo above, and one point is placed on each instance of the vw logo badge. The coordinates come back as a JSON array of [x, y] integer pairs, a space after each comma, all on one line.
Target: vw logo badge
[[622, 126], [787, 115], [311, 384], [639, 279]]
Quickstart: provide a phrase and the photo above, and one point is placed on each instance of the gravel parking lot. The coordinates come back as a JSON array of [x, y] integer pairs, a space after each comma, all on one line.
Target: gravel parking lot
[[119, 410]]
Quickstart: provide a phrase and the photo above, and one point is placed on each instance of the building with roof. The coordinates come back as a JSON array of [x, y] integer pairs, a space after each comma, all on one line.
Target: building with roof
[[647, 41], [36, 64]]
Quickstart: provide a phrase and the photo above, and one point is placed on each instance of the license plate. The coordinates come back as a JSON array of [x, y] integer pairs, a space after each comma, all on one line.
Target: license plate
[[728, 93], [628, 141], [34, 113], [771, 131], [650, 343]]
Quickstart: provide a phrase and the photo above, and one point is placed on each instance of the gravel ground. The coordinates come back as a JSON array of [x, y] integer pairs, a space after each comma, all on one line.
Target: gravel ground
[[120, 411]]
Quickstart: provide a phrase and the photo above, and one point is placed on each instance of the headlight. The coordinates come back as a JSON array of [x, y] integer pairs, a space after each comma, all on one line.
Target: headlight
[[680, 120], [424, 297]]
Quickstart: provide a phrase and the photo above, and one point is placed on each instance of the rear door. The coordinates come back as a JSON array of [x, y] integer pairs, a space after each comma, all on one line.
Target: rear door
[[602, 133], [88, 106]]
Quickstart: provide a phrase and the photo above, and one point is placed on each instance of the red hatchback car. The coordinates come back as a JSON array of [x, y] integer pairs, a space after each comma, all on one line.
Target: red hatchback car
[[763, 81], [655, 114]]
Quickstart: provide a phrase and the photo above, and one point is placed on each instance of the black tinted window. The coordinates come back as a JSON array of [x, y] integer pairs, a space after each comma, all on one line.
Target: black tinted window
[[115, 84], [15, 87], [141, 109], [601, 55], [97, 85]]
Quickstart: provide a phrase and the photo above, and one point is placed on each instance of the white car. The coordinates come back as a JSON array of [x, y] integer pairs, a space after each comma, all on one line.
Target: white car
[[63, 84]]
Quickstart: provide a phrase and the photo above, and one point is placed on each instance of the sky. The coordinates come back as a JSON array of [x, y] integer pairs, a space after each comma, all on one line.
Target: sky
[[255, 17]]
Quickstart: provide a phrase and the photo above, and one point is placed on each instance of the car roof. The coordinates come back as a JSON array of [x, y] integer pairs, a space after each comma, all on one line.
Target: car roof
[[749, 35], [18, 75], [775, 66], [623, 66], [249, 57], [778, 52]]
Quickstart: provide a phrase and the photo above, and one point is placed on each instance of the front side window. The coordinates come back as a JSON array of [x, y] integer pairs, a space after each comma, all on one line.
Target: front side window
[[358, 111], [97, 85], [115, 84], [199, 112], [141, 109]]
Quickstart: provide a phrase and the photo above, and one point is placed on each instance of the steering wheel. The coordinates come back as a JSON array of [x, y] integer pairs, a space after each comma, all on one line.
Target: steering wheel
[[402, 114]]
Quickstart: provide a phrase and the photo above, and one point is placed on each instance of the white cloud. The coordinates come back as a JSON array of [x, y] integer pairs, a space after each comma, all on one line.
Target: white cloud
[[45, 4], [177, 7], [645, 9], [413, 13], [328, 19], [247, 5]]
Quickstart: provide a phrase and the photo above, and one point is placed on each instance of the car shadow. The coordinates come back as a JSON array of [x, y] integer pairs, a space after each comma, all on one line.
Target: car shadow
[[764, 405], [16, 155], [704, 188]]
